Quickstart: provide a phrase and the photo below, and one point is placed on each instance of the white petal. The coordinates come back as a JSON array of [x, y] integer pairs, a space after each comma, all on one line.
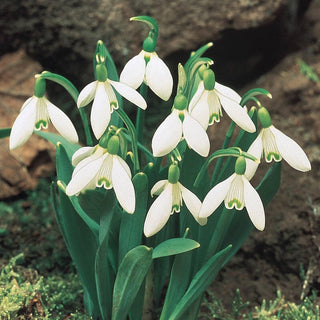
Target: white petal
[[87, 94], [100, 112], [84, 176], [254, 205], [158, 187], [256, 150], [291, 151], [133, 72], [159, 212], [167, 136], [62, 123], [200, 111], [238, 114], [192, 203], [196, 96], [158, 77], [81, 154], [123, 186], [214, 197], [228, 92], [24, 124], [130, 94], [195, 135], [125, 166]]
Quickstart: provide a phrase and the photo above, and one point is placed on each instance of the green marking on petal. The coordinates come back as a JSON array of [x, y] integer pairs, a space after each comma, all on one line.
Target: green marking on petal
[[113, 106], [104, 182], [273, 156], [235, 203], [181, 116], [41, 124], [215, 117], [175, 208]]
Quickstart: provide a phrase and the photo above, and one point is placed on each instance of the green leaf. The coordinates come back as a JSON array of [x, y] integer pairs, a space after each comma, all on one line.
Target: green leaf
[[131, 274], [131, 228], [174, 246], [81, 242], [104, 274], [200, 282], [5, 132]]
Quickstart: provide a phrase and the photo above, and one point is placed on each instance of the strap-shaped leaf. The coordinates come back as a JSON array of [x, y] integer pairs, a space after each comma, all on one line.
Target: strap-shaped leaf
[[174, 246], [200, 282], [131, 274], [131, 228]]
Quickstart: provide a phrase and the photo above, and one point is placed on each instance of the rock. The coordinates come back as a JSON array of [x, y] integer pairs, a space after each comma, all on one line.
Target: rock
[[20, 168], [62, 34]]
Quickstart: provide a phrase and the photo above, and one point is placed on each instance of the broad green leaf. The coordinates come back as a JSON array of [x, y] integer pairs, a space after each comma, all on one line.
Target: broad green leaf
[[178, 283], [131, 274], [5, 132], [174, 246], [200, 282], [104, 272], [131, 228], [81, 242]]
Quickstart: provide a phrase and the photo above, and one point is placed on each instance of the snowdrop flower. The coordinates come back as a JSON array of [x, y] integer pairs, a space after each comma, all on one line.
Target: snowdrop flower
[[179, 124], [104, 99], [35, 114], [102, 167], [171, 194], [205, 105], [272, 144], [236, 192], [149, 68]]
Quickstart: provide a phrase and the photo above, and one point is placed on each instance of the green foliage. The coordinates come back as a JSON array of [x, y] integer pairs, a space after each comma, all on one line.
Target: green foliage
[[308, 71], [25, 295]]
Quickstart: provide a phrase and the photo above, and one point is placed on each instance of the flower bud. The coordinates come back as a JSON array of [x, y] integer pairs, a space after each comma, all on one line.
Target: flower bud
[[201, 70], [101, 72], [113, 145], [180, 102], [209, 79], [173, 173], [264, 117], [39, 86], [240, 166]]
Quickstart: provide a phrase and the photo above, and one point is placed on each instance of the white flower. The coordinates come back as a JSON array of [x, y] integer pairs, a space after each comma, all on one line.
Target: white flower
[[272, 144], [105, 101], [95, 167], [36, 114], [205, 106], [236, 192], [155, 74], [169, 201], [177, 125]]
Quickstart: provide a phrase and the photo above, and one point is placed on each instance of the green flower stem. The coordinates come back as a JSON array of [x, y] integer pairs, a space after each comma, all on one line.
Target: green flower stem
[[74, 93], [225, 145], [133, 136], [140, 119]]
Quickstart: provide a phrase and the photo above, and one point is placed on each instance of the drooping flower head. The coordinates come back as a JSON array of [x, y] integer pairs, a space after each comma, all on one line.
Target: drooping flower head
[[104, 99], [36, 113], [236, 192], [147, 67], [101, 166], [171, 195], [272, 144], [178, 125], [207, 103]]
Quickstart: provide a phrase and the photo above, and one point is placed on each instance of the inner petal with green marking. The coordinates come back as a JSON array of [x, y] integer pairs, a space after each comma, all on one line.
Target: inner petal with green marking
[[234, 197], [176, 198], [270, 149], [104, 175], [42, 116]]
